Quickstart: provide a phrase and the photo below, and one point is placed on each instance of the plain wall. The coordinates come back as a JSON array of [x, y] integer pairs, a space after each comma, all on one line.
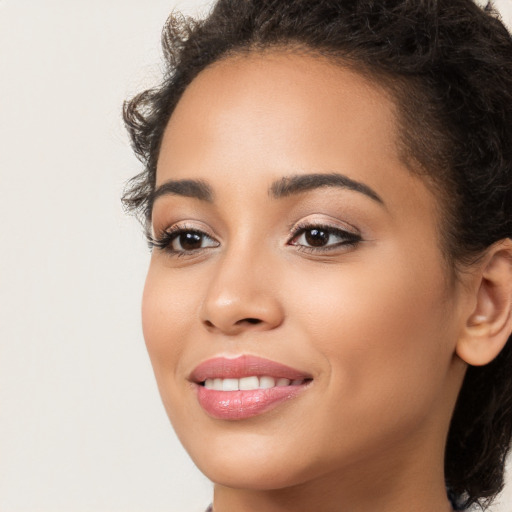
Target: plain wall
[[81, 424]]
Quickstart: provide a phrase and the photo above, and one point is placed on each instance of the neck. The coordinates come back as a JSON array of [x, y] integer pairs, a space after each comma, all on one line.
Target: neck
[[331, 496]]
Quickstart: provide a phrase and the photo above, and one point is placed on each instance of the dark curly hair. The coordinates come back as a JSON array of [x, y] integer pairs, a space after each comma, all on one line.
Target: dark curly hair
[[448, 66]]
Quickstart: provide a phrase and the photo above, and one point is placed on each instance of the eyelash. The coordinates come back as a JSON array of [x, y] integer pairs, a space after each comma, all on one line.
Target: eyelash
[[165, 240], [349, 239]]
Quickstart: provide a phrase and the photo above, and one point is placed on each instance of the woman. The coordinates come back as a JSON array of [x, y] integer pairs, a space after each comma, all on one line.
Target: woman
[[328, 194]]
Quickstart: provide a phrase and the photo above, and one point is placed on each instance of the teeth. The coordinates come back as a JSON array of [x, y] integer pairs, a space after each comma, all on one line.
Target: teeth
[[249, 383], [230, 385], [267, 382]]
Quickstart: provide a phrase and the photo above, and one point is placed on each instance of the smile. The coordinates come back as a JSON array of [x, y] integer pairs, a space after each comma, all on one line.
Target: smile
[[249, 383], [246, 386]]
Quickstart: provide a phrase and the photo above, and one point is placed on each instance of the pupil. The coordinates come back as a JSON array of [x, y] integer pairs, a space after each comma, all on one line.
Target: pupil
[[190, 241], [316, 237]]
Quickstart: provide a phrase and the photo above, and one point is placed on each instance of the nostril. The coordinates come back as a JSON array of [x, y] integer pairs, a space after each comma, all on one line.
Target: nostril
[[250, 320], [244, 321]]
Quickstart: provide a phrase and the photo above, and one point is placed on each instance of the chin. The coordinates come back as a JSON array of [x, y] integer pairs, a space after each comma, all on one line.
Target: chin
[[243, 474], [251, 462]]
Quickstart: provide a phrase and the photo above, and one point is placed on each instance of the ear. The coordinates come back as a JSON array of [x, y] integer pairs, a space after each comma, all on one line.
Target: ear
[[489, 323]]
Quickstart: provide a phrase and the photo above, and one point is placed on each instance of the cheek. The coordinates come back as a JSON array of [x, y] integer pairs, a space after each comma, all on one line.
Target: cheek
[[167, 308], [384, 332], [384, 337]]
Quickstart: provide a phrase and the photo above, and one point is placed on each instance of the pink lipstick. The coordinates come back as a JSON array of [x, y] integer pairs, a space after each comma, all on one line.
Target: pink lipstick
[[246, 386]]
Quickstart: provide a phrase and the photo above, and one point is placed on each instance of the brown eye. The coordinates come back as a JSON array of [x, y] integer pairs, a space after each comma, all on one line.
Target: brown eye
[[316, 237], [324, 237], [187, 241]]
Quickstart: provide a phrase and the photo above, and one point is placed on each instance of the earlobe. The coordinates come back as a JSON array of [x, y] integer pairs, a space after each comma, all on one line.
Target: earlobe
[[489, 324]]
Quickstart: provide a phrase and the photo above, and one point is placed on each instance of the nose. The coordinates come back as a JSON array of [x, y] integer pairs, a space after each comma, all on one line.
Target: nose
[[243, 295]]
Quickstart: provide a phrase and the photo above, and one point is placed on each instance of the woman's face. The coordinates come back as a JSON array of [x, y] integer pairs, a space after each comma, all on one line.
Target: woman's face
[[294, 243]]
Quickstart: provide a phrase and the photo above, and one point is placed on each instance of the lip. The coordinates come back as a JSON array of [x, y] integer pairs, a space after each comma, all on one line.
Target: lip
[[244, 366], [238, 405]]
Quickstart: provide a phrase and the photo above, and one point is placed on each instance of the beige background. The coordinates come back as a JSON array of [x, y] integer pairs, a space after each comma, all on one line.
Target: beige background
[[81, 425]]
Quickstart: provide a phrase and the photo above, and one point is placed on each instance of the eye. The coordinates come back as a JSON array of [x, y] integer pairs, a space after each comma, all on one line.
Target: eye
[[183, 240], [191, 241], [323, 237]]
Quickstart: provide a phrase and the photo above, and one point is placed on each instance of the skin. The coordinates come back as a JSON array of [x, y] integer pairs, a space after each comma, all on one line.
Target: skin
[[377, 324]]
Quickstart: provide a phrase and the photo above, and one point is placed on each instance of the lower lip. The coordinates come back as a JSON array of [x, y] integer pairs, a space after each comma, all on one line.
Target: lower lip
[[239, 405]]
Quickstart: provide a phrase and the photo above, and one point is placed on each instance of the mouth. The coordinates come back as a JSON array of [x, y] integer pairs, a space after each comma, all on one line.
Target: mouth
[[246, 386], [250, 383]]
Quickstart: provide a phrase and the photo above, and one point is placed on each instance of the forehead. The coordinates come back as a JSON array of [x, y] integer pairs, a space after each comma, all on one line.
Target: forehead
[[249, 120], [278, 103]]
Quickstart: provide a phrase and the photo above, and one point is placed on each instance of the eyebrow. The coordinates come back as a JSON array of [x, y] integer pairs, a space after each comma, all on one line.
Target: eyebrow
[[298, 183], [284, 187], [197, 189]]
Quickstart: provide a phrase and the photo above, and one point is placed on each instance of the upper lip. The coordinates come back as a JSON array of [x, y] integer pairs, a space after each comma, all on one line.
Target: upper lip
[[244, 366]]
